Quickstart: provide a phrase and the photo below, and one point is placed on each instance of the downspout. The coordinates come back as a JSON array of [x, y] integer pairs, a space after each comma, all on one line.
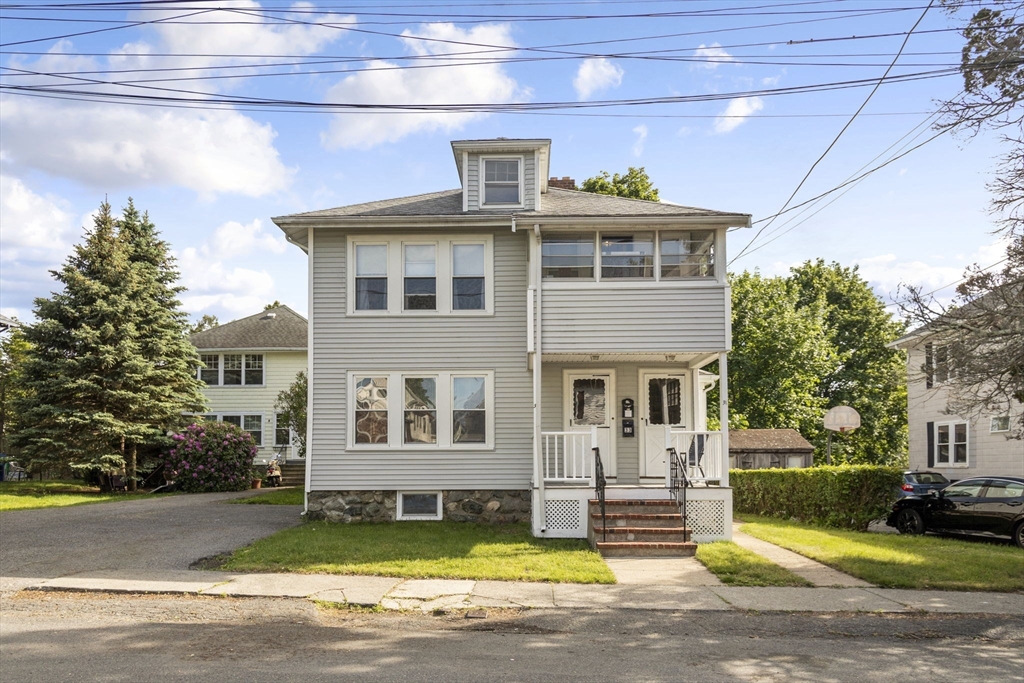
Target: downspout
[[540, 516]]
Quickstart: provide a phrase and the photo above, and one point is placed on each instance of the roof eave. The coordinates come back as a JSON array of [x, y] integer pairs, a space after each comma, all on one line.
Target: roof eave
[[294, 225]]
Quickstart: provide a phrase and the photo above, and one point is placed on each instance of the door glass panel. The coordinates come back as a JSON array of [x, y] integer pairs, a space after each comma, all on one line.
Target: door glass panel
[[589, 402], [664, 401]]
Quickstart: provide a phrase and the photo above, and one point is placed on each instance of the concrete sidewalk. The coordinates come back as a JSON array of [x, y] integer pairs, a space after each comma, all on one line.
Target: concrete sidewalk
[[817, 573], [429, 595]]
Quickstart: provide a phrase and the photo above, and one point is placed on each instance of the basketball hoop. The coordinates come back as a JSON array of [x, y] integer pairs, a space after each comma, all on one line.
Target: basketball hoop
[[840, 419]]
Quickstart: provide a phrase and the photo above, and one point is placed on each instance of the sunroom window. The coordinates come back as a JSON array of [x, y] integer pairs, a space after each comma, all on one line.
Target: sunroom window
[[627, 256], [688, 254], [501, 181], [568, 255]]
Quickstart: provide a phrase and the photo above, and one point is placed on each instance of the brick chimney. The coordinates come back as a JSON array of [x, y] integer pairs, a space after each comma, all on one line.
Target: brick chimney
[[565, 183]]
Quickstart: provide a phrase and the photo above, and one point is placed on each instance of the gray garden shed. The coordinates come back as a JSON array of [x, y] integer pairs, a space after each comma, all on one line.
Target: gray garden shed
[[755, 449]]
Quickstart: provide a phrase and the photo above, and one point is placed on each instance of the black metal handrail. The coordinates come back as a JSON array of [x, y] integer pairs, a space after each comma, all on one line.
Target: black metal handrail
[[599, 485], [678, 482]]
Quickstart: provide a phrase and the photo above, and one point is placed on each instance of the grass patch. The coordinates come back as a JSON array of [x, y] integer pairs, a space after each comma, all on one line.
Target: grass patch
[[894, 561], [290, 496], [422, 550], [29, 495], [737, 566]]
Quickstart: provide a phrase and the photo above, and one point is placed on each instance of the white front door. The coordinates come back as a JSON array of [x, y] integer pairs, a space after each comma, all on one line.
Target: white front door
[[590, 402], [663, 402]]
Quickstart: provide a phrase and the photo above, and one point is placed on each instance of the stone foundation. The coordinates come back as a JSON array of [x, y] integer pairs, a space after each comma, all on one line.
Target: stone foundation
[[482, 507]]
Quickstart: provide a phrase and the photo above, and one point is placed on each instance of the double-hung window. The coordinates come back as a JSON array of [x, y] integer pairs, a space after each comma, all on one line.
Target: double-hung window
[[409, 276], [1000, 424], [432, 410], [232, 369], [936, 364], [627, 256], [282, 432], [501, 182], [568, 255], [951, 447], [371, 277], [687, 254], [468, 277], [249, 423], [420, 277]]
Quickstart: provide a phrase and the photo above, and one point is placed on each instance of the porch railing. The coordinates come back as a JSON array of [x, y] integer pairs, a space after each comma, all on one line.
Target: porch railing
[[701, 455], [568, 457]]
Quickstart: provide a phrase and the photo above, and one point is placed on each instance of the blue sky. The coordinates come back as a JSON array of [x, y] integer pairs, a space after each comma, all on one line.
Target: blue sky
[[212, 175]]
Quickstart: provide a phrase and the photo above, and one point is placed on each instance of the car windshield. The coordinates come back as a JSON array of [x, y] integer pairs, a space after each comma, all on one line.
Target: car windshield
[[927, 478]]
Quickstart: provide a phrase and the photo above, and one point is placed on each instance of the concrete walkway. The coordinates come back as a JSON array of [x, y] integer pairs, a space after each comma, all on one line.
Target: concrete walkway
[[815, 572], [430, 595]]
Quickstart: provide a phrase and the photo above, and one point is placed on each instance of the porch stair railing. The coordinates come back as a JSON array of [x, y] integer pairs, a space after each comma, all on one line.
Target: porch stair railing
[[678, 483], [599, 485]]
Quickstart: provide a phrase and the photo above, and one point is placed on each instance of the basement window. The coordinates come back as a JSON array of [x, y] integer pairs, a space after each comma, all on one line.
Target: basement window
[[419, 506]]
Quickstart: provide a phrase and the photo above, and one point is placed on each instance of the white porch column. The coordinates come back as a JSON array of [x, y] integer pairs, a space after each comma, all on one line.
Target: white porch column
[[537, 499], [723, 412]]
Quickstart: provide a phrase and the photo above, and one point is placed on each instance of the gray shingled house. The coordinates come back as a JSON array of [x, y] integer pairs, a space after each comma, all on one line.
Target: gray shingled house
[[247, 362], [475, 352]]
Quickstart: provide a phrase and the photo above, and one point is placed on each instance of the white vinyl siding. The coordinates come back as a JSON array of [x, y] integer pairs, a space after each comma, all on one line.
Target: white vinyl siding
[[280, 368], [420, 345], [604, 318]]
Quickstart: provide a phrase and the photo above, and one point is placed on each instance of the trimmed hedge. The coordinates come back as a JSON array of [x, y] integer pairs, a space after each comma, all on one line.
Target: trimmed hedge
[[844, 496]]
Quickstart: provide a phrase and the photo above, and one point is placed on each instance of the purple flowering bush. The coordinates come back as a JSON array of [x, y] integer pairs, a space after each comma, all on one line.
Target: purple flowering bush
[[211, 456]]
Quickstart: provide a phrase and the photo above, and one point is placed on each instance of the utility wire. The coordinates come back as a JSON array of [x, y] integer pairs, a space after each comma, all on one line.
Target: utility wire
[[844, 129]]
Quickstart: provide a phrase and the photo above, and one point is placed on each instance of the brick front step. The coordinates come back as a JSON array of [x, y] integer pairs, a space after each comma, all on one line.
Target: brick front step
[[636, 507], [659, 521], [645, 549], [662, 535]]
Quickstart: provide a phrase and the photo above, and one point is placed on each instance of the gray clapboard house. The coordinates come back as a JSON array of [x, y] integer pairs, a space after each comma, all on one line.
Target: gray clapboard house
[[470, 349]]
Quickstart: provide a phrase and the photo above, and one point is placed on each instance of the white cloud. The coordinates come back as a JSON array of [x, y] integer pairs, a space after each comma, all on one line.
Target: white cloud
[[641, 136], [596, 73], [737, 112], [238, 239], [479, 83], [213, 283], [712, 56], [771, 80], [111, 146], [35, 237]]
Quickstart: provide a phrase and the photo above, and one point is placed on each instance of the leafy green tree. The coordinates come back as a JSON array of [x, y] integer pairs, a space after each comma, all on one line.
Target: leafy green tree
[[869, 376], [207, 322], [109, 367], [268, 307], [635, 184], [13, 353], [291, 405], [780, 353]]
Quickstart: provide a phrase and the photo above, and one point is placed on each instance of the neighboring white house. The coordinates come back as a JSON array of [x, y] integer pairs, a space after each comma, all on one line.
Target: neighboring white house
[[470, 347], [248, 362], [957, 447]]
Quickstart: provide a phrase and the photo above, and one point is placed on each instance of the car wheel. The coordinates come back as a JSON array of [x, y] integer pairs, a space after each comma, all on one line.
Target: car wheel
[[910, 522], [1018, 535]]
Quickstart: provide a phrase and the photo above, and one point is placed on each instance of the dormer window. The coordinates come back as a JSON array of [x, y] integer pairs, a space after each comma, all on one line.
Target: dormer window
[[502, 182]]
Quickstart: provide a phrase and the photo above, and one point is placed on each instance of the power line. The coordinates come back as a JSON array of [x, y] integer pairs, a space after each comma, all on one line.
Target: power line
[[844, 129]]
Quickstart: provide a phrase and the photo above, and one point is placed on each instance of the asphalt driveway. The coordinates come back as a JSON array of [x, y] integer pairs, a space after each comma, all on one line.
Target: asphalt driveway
[[149, 534]]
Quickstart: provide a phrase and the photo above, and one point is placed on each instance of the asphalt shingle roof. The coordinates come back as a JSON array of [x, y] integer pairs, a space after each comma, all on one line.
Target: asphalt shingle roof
[[285, 329], [767, 440], [555, 202]]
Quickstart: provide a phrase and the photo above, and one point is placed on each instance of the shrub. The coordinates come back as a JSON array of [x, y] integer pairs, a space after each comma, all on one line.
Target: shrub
[[212, 456], [844, 496]]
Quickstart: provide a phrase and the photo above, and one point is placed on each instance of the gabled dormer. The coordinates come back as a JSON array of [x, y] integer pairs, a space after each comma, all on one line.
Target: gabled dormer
[[502, 175]]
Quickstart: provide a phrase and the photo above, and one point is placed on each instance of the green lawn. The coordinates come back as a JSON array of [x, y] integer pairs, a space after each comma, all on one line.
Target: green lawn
[[289, 496], [895, 561], [435, 550], [737, 566], [28, 495]]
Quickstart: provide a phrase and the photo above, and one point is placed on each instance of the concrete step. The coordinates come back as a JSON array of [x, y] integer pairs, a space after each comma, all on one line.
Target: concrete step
[[645, 549], [637, 519], [630, 533], [293, 473]]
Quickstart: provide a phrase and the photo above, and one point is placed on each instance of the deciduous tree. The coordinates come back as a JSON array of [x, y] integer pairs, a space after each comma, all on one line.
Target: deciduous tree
[[635, 183], [291, 406]]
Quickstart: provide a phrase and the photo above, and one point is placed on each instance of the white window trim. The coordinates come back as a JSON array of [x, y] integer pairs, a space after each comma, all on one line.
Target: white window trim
[[484, 158], [717, 279], [443, 273], [396, 411], [992, 424], [291, 433], [402, 517], [220, 370], [221, 414], [952, 435]]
